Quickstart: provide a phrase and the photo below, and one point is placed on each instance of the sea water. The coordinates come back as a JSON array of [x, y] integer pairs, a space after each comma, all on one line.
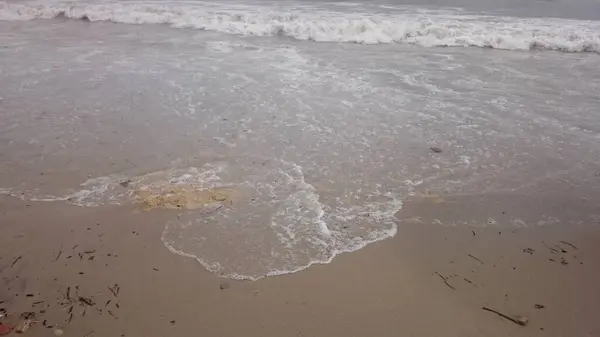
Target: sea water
[[317, 116]]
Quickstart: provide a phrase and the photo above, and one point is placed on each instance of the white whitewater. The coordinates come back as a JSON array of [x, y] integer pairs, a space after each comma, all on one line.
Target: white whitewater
[[273, 224], [406, 25]]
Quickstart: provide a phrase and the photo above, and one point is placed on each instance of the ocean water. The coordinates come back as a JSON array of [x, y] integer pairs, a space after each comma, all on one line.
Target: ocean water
[[317, 117]]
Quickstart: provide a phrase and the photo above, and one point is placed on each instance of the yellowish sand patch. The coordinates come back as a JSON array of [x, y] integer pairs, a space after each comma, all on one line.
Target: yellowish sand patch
[[436, 199], [181, 197]]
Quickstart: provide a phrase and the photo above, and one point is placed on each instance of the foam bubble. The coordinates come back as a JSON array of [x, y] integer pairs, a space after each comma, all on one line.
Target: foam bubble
[[425, 29]]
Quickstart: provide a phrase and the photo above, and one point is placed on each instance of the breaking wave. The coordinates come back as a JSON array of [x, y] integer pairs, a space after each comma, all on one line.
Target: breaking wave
[[422, 28]]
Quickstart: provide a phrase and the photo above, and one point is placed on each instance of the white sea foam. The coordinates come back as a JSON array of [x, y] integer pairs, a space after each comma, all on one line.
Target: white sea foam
[[417, 27], [274, 222], [286, 227]]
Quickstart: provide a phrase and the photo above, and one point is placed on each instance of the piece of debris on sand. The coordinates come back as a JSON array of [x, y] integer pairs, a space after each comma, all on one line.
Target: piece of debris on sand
[[125, 183], [4, 329], [25, 322], [520, 320]]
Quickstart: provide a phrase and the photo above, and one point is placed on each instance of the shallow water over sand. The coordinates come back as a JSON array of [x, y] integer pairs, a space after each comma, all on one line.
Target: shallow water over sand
[[320, 141]]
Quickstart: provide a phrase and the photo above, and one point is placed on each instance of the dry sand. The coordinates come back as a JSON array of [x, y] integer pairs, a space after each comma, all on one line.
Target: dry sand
[[392, 288]]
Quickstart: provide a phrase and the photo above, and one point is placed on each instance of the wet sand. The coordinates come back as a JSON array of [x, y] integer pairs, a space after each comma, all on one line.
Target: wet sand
[[391, 288]]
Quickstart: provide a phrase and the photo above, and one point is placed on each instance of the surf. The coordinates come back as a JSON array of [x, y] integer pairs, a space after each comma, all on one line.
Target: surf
[[427, 29]]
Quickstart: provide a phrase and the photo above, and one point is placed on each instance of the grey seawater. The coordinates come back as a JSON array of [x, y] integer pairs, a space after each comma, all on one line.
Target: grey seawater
[[322, 141]]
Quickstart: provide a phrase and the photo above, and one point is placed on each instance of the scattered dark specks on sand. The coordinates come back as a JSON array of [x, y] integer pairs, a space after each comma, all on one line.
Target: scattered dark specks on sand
[[224, 286], [539, 306], [436, 149]]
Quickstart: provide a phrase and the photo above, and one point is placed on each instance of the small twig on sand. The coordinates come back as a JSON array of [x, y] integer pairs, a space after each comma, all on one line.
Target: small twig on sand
[[554, 250], [114, 290], [86, 301], [528, 251], [470, 282], [59, 254], [478, 260], [16, 260], [110, 313], [68, 293], [517, 320], [445, 280], [569, 244]]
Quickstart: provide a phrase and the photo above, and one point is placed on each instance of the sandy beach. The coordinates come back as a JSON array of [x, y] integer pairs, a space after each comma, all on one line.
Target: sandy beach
[[299, 168], [429, 280]]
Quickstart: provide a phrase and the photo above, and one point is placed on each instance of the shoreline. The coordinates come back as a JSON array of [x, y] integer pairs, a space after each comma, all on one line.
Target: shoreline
[[390, 287]]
